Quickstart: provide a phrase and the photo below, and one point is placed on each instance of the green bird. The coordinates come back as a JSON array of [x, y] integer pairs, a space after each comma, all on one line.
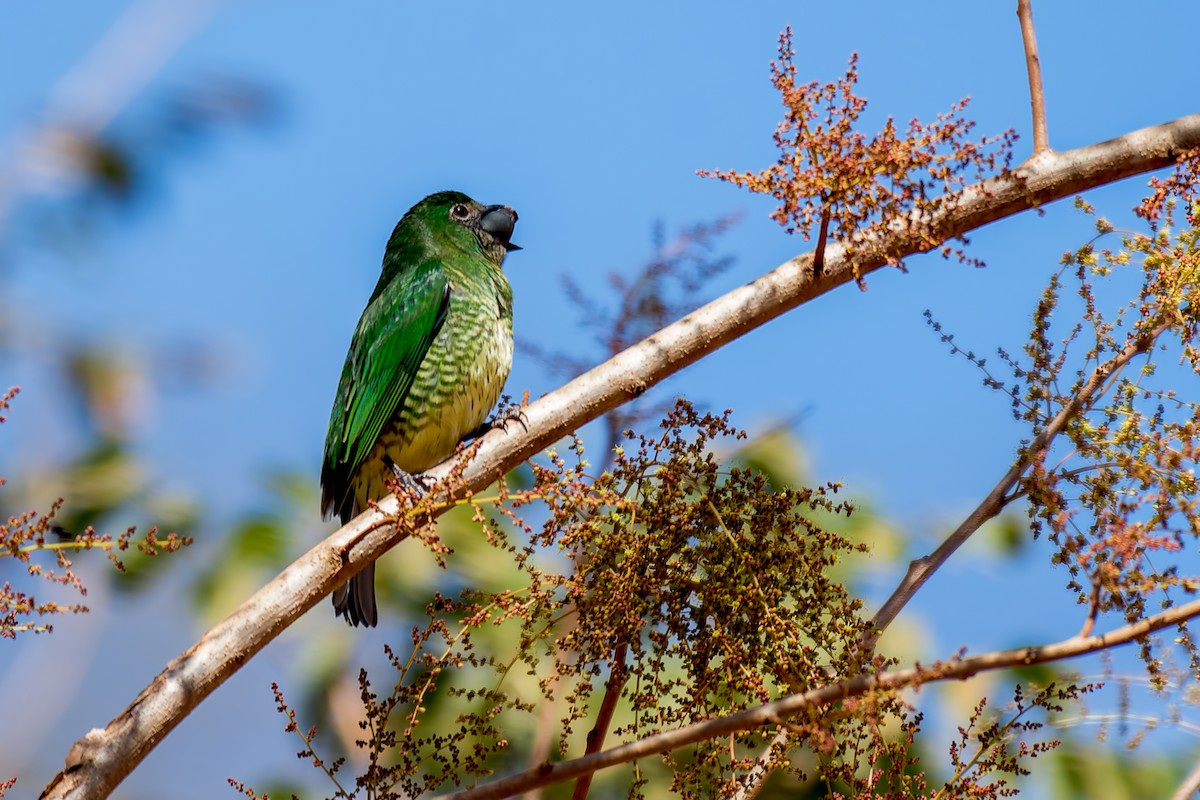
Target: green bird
[[427, 362]]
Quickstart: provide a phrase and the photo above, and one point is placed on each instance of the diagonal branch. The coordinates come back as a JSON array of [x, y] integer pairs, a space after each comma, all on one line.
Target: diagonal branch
[[99, 761], [921, 569], [750, 785], [774, 713]]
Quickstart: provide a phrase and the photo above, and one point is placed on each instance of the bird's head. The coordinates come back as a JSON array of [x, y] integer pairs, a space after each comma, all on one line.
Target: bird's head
[[463, 218]]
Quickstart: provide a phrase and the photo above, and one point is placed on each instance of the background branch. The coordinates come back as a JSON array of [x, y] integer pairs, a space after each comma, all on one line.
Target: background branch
[[100, 760], [87, 100], [752, 784], [1190, 785]]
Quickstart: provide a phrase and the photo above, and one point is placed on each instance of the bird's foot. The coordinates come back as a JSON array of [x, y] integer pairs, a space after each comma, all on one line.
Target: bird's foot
[[415, 486], [507, 411]]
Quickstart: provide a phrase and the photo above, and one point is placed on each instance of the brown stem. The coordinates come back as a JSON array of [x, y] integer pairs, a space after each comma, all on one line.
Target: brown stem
[[102, 759], [1089, 624], [608, 706], [1037, 98], [826, 696], [822, 238]]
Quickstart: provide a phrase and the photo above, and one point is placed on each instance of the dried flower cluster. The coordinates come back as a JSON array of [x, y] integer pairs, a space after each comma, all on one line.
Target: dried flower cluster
[[1181, 186], [1112, 456], [694, 589], [668, 590], [855, 187], [1122, 502], [991, 751]]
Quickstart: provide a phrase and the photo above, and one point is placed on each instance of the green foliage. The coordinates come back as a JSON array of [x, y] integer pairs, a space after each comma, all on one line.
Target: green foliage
[[260, 543]]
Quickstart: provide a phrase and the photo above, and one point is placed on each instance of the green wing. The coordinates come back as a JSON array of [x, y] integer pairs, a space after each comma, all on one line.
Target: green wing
[[391, 340]]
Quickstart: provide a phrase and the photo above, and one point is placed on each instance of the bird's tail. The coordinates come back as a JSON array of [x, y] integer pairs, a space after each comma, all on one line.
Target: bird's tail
[[355, 600]]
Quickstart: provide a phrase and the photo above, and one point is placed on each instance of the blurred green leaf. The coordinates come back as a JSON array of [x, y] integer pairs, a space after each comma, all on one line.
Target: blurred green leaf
[[1007, 534], [261, 542], [778, 455]]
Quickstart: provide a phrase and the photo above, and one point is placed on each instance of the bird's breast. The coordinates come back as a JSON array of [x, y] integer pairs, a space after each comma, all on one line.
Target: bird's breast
[[455, 388]]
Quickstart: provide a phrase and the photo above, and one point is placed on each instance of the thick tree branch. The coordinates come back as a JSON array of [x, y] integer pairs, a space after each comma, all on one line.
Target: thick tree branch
[[1033, 65], [774, 713], [99, 761]]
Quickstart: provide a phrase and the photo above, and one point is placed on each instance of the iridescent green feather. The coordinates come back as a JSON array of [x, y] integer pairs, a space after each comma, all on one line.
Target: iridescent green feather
[[392, 338]]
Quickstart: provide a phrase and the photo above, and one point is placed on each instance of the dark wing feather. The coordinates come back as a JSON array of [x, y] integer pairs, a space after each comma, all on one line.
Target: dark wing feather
[[390, 342]]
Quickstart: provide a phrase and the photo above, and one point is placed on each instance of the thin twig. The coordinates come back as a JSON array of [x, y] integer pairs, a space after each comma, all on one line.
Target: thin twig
[[1089, 624], [822, 240], [1033, 64], [920, 570], [826, 696]]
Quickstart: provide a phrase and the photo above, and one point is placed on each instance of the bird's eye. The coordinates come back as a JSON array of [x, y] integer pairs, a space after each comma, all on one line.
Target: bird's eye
[[460, 212]]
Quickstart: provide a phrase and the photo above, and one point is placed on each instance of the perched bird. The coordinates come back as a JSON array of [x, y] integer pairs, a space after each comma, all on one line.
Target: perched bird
[[426, 364]]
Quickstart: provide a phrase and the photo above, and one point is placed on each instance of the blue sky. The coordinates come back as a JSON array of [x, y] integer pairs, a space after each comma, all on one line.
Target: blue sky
[[591, 121]]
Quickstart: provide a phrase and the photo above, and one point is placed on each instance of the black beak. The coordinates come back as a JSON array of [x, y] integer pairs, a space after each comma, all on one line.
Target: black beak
[[499, 221]]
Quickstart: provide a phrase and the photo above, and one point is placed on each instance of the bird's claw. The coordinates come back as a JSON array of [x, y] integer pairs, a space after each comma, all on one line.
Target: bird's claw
[[414, 485], [506, 412]]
